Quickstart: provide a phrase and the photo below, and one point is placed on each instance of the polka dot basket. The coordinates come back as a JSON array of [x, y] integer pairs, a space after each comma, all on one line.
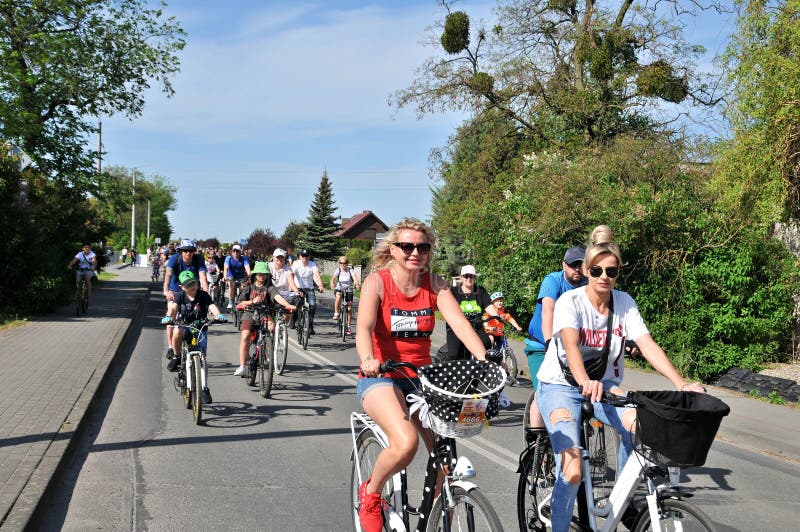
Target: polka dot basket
[[446, 385]]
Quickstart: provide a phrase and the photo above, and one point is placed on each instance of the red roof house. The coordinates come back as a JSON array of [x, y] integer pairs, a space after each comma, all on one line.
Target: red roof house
[[363, 226]]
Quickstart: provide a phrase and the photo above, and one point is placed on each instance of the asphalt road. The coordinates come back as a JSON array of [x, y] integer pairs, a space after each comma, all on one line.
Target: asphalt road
[[283, 463]]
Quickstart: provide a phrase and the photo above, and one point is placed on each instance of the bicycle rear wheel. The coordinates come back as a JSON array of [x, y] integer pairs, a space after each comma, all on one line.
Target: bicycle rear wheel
[[252, 363], [266, 368], [343, 317], [367, 449], [281, 346], [677, 516], [537, 476], [472, 511], [197, 389]]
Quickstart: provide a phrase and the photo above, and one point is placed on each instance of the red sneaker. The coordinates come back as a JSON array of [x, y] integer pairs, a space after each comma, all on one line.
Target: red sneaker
[[370, 509]]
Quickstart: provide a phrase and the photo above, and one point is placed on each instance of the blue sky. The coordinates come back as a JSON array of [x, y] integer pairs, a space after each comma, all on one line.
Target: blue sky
[[272, 93]]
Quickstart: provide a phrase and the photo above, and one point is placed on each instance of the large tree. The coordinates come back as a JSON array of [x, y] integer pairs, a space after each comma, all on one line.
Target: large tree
[[63, 63], [566, 70], [321, 223]]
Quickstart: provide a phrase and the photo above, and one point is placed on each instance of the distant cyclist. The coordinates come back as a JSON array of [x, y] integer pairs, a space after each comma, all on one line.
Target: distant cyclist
[[494, 327], [190, 305], [237, 268], [87, 263], [473, 301], [307, 277], [342, 282]]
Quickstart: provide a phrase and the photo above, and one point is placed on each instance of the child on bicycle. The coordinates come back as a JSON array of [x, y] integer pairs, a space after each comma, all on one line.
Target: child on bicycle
[[190, 305], [494, 327], [259, 290]]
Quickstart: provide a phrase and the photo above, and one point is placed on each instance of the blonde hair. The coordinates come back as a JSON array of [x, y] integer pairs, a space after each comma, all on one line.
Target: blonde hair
[[600, 243], [382, 257]]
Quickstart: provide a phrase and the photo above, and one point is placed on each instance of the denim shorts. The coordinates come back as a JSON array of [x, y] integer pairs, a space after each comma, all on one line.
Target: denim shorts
[[406, 386]]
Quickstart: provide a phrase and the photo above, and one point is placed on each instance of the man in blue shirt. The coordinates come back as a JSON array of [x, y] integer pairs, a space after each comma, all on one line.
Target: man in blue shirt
[[541, 325], [236, 268], [187, 259]]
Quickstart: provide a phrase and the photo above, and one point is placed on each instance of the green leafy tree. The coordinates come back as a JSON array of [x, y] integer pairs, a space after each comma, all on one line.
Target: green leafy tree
[[321, 223], [759, 169], [65, 62], [292, 234]]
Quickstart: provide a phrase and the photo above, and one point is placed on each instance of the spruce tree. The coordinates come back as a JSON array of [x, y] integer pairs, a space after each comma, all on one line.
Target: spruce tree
[[321, 224]]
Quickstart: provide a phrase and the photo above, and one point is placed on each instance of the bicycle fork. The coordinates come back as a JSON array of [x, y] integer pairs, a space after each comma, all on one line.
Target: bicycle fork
[[203, 369]]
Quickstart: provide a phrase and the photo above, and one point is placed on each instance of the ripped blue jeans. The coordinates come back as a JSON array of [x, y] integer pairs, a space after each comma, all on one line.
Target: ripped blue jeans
[[565, 434]]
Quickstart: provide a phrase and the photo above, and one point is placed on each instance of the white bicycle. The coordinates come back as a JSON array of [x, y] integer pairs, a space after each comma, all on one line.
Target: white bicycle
[[460, 505], [675, 429]]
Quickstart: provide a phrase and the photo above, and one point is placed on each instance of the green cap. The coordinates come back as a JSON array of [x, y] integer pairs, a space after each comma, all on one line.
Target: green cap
[[186, 278], [261, 267]]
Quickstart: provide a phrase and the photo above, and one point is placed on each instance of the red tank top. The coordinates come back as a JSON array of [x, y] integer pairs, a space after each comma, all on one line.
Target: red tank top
[[404, 324]]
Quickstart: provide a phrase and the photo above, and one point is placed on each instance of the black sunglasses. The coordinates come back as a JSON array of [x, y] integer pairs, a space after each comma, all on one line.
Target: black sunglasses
[[408, 247], [597, 271]]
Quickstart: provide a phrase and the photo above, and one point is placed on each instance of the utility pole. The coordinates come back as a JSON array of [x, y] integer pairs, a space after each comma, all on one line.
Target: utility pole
[[99, 146], [133, 209]]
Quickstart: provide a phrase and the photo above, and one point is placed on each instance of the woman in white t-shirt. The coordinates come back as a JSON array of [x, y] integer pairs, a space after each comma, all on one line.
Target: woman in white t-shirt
[[580, 325]]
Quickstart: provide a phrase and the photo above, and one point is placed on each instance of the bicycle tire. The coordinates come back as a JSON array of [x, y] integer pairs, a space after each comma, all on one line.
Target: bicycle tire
[[266, 367], [78, 300], [281, 347], [368, 446], [301, 326], [237, 319], [510, 365], [84, 298], [306, 329], [677, 515], [537, 477], [471, 511], [197, 392], [252, 363], [603, 456], [185, 391], [343, 317]]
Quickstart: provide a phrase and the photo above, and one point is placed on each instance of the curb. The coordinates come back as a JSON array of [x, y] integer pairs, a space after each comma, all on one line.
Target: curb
[[58, 455]]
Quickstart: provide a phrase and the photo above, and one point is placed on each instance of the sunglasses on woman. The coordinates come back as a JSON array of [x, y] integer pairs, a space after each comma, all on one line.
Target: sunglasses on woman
[[408, 247], [597, 271]]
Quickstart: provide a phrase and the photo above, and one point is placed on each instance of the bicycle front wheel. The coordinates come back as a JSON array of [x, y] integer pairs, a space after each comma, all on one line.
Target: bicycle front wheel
[[472, 511], [677, 516], [343, 317], [281, 347], [536, 480], [368, 447], [252, 363], [510, 365], [266, 368], [197, 390]]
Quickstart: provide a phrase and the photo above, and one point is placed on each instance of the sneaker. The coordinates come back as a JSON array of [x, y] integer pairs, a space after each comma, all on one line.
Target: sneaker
[[370, 510], [349, 330], [336, 316], [170, 354], [242, 371], [230, 305], [174, 364], [311, 331], [207, 396]]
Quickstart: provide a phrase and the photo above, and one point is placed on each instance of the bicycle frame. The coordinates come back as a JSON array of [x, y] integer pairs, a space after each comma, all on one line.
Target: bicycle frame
[[192, 349], [458, 477]]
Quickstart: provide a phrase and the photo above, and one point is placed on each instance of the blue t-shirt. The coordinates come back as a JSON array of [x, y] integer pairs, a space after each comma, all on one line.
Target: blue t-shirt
[[175, 262], [553, 285], [236, 267]]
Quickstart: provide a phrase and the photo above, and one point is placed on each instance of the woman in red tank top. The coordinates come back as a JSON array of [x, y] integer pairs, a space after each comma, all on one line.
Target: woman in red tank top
[[395, 321]]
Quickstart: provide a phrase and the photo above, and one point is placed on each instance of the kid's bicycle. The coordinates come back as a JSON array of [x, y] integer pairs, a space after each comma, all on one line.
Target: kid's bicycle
[[674, 430], [191, 379], [451, 407], [260, 361]]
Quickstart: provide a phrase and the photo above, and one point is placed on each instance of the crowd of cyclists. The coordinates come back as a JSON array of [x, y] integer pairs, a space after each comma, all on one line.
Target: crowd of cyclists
[[580, 320]]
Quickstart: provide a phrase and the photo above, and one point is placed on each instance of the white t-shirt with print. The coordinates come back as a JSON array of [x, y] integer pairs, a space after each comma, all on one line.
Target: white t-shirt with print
[[573, 310]]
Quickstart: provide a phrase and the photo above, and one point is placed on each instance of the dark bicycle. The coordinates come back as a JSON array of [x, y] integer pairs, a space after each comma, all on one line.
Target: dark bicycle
[[81, 292]]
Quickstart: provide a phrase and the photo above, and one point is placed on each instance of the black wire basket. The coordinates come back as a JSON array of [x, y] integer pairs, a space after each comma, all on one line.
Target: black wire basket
[[677, 429]]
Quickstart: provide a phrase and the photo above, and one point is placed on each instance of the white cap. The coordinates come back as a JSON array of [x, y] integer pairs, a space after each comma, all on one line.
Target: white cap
[[279, 253], [469, 269], [237, 247]]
